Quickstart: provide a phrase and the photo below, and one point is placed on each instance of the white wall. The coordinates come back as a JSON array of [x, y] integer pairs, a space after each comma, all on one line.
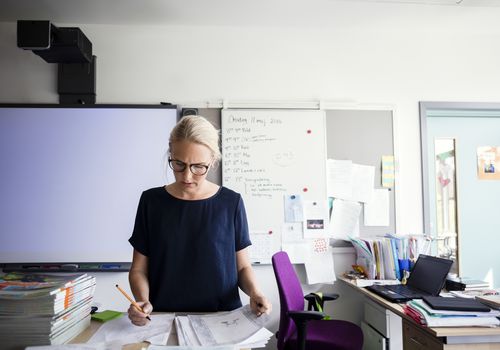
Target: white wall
[[368, 53]]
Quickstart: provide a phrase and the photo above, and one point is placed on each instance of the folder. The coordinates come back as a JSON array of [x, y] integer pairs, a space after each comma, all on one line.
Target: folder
[[455, 304]]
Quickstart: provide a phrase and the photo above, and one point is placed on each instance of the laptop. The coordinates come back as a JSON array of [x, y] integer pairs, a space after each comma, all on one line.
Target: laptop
[[426, 279]]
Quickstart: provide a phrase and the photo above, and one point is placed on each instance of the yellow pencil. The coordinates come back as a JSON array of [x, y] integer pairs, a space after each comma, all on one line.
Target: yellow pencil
[[132, 301]]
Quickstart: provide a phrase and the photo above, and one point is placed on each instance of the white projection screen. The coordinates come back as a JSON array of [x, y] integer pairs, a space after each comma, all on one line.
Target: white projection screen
[[71, 178]]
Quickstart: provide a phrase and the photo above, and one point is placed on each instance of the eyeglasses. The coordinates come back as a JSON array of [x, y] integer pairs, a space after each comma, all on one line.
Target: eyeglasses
[[179, 167]]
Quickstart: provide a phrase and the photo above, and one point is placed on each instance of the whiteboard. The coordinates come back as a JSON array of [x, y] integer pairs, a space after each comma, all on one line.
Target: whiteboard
[[72, 178], [268, 154]]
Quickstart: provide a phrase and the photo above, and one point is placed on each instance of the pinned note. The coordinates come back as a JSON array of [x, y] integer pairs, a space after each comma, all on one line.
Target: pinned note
[[387, 171], [315, 219], [344, 219], [376, 211], [293, 208]]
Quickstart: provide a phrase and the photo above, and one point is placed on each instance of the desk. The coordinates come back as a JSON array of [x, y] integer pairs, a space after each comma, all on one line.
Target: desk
[[417, 337]]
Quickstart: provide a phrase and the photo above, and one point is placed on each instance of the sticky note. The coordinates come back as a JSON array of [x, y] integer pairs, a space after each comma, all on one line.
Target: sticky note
[[106, 315]]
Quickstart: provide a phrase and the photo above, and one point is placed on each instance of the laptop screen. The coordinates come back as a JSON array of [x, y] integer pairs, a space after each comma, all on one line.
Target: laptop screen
[[429, 274]]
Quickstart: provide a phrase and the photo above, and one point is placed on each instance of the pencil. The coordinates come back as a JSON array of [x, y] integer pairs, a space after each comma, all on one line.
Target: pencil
[[132, 301]]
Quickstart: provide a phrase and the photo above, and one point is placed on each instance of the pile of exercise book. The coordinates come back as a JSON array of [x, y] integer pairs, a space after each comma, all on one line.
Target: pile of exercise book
[[43, 309], [451, 312]]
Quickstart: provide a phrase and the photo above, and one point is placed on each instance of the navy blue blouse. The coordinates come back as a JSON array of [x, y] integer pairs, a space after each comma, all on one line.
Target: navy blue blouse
[[191, 248]]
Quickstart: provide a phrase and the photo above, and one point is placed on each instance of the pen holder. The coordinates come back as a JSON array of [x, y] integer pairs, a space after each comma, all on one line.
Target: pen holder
[[404, 265]]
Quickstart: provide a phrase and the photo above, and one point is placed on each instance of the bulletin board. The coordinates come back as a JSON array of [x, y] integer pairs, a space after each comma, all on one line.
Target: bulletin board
[[364, 136], [268, 154]]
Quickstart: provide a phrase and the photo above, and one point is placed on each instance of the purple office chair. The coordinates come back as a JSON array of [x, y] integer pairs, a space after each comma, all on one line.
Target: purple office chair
[[299, 329]]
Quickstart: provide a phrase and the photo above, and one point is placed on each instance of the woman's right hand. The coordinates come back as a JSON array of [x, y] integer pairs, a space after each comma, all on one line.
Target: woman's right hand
[[137, 317]]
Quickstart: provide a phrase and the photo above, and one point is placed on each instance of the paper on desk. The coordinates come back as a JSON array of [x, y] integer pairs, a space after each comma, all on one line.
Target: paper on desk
[[228, 327], [113, 345], [186, 335], [122, 330], [168, 347], [256, 340], [376, 211]]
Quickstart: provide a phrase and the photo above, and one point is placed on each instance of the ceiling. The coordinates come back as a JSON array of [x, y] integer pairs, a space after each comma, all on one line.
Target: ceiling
[[195, 12]]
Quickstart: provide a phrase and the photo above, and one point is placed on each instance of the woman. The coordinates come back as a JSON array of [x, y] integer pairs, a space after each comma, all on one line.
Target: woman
[[190, 237]]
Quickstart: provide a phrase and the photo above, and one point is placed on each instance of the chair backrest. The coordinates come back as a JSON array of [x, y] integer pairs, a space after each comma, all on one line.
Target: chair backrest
[[290, 292]]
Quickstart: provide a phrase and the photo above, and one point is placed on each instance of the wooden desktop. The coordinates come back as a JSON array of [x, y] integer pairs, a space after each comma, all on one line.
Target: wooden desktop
[[417, 337]]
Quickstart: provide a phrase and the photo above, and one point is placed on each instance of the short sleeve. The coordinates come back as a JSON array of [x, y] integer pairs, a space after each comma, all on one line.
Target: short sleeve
[[242, 237], [139, 238]]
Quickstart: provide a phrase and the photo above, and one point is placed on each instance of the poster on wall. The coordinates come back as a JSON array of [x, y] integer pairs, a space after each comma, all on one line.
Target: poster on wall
[[488, 163]]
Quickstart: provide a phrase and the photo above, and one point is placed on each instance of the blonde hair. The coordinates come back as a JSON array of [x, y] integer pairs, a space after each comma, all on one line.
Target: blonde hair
[[197, 129]]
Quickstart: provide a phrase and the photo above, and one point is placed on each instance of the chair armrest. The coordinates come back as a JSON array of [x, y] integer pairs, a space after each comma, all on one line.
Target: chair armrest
[[330, 296], [312, 298], [300, 318], [304, 316]]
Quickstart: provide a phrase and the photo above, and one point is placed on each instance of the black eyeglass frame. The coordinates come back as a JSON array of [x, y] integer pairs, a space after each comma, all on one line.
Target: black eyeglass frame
[[170, 160]]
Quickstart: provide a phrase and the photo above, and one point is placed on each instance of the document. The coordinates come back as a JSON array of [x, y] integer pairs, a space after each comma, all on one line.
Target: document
[[319, 266], [298, 252], [292, 232], [183, 347], [263, 245], [185, 332], [376, 211], [225, 328], [292, 242], [363, 181], [316, 219], [293, 208], [113, 345], [339, 179], [122, 330], [344, 219]]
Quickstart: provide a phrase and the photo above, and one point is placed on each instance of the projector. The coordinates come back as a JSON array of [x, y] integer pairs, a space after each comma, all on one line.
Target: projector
[[53, 44]]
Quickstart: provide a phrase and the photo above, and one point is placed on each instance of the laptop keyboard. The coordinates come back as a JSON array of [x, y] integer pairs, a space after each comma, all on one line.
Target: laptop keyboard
[[407, 291]]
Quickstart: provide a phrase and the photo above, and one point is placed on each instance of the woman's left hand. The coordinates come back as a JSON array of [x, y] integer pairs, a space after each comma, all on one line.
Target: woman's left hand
[[260, 305]]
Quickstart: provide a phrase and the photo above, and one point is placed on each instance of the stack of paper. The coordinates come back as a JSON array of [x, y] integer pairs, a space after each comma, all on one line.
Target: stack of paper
[[240, 327], [38, 309], [236, 329], [425, 315]]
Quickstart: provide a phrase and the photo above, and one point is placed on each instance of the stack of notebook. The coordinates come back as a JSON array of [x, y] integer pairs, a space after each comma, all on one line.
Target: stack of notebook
[[42, 309], [240, 328], [451, 312]]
